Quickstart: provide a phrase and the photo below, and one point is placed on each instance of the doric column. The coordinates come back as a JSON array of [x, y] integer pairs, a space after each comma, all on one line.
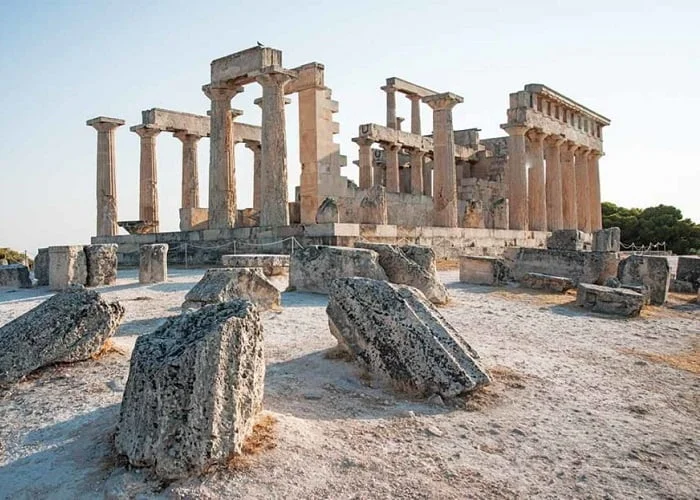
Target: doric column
[[516, 177], [222, 166], [275, 183], [256, 148], [365, 161], [537, 202], [390, 106], [417, 171], [106, 181], [583, 207], [190, 171], [596, 215], [427, 178], [391, 155], [415, 113], [555, 214], [444, 174], [148, 174], [568, 186]]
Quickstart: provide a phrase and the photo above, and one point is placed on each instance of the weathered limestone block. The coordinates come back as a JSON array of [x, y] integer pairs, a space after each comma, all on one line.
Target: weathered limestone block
[[70, 326], [500, 214], [223, 285], [327, 212], [606, 240], [402, 270], [473, 214], [478, 270], [312, 269], [679, 286], [195, 387], [373, 207], [581, 267], [400, 336], [422, 255], [101, 264], [652, 272], [153, 263], [15, 276], [565, 239], [248, 217], [602, 299], [41, 267], [538, 281], [67, 266], [689, 270], [271, 264]]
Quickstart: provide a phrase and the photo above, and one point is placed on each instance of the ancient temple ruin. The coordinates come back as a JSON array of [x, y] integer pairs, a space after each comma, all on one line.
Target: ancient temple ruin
[[450, 189]]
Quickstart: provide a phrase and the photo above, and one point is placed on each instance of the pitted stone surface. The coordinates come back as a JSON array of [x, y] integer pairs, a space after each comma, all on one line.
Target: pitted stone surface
[[41, 267], [606, 240], [101, 264], [327, 212], [688, 270], [652, 272], [312, 269], [477, 270], [194, 390], [15, 276], [538, 281], [67, 266], [223, 285], [400, 336], [565, 239], [422, 255], [272, 265], [403, 270], [70, 326], [603, 299], [153, 263], [582, 267]]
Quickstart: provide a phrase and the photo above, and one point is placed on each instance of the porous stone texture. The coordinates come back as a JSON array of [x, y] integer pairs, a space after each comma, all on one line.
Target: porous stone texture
[[373, 207], [400, 336], [606, 240], [652, 272], [581, 267], [403, 270], [195, 387], [70, 326], [422, 255], [679, 286], [153, 263], [565, 239], [688, 270], [547, 282], [478, 270], [603, 299], [41, 267], [67, 266], [223, 285], [327, 212], [312, 269], [15, 276], [272, 265], [101, 264]]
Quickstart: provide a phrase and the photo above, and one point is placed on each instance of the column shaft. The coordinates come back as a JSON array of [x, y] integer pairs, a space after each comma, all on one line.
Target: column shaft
[[417, 173], [427, 178], [596, 216], [390, 108], [391, 154], [537, 202], [555, 215], [516, 178], [415, 114], [190, 170], [365, 163], [148, 175], [582, 189], [568, 187], [106, 181]]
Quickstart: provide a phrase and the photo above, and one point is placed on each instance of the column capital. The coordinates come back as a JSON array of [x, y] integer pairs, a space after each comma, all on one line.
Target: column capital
[[414, 97], [363, 141], [444, 101], [556, 140], [145, 131], [570, 146], [389, 146], [104, 123], [417, 152], [515, 129], [594, 153], [259, 101], [252, 145], [583, 151], [275, 76], [186, 136], [221, 93], [536, 135], [388, 89]]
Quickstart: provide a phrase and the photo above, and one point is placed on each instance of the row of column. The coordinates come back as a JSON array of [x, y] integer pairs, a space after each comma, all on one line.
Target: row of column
[[392, 119], [565, 195]]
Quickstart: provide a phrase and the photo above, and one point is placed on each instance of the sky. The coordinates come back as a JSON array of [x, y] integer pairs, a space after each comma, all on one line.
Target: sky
[[62, 63]]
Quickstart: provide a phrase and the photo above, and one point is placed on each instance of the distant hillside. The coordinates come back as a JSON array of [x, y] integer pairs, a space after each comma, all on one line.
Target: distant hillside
[[13, 256]]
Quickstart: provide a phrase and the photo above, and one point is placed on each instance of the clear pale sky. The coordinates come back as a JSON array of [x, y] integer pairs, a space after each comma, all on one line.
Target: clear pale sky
[[61, 63]]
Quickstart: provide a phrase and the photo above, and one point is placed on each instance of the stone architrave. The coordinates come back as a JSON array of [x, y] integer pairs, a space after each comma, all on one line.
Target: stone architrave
[[553, 183], [654, 273], [417, 175], [223, 285], [153, 263], [516, 178], [391, 153], [536, 182], [327, 212], [106, 174], [101, 263], [67, 266], [274, 198], [190, 171], [596, 215], [568, 186], [444, 173], [582, 190], [365, 161], [148, 184], [373, 207], [256, 148]]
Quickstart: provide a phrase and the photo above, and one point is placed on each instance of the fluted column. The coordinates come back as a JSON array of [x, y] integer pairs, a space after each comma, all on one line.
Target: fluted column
[[190, 170], [415, 113], [222, 166], [417, 174], [596, 215], [568, 186], [365, 161], [583, 207], [390, 106], [148, 175], [106, 178], [391, 155], [537, 201], [516, 177], [444, 174], [553, 183], [275, 183], [256, 148]]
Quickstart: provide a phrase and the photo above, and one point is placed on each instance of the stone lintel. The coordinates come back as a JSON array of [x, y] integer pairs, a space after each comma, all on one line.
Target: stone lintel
[[243, 66], [538, 88], [117, 122], [309, 76], [408, 88], [176, 121]]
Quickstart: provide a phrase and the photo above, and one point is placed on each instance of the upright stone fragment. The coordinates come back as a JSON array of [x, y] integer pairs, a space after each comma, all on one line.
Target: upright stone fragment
[[327, 212], [688, 270], [400, 336], [373, 208], [223, 285], [153, 263], [602, 299], [194, 390], [101, 264], [41, 267], [67, 266], [70, 326], [565, 239], [15, 276], [652, 272], [606, 240]]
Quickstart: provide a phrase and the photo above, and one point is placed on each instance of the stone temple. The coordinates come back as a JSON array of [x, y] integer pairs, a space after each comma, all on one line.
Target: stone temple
[[451, 190]]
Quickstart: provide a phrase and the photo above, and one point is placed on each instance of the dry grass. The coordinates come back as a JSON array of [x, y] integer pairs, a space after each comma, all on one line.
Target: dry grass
[[107, 348], [688, 360], [263, 438], [447, 264]]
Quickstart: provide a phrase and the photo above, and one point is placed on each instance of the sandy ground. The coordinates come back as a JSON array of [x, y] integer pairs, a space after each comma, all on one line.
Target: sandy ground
[[583, 406]]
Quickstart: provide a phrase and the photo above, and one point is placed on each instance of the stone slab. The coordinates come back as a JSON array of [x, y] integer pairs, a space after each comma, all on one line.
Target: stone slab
[[271, 264], [243, 283], [606, 300], [477, 270], [547, 282], [581, 267], [651, 271], [566, 239]]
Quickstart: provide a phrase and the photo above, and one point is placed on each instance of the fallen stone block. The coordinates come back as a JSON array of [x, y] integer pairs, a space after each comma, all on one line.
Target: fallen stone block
[[402, 270], [101, 263], [223, 285], [312, 269], [153, 263], [67, 266], [581, 267], [70, 326], [547, 282], [422, 255], [479, 270], [400, 336], [194, 390], [41, 267], [606, 240], [327, 212], [679, 286], [565, 239], [271, 264], [602, 299], [652, 272], [15, 276], [689, 270]]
